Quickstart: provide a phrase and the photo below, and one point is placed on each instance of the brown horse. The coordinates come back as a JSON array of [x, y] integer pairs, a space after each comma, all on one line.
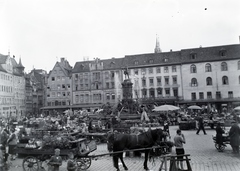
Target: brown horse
[[119, 142]]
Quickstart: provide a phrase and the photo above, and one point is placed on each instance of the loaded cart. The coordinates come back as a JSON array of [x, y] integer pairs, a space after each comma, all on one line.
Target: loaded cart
[[36, 155]]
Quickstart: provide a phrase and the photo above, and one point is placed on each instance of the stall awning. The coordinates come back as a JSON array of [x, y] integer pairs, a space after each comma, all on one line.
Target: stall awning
[[72, 106]]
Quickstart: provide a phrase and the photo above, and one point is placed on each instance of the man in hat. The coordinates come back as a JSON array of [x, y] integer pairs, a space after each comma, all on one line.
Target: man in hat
[[56, 161]]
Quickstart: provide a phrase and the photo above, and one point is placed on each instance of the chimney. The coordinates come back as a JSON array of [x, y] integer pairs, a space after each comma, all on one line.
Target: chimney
[[62, 60]]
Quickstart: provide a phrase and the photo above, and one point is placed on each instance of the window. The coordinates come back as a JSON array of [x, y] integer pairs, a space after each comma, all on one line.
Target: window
[[151, 81], [167, 91], [63, 86], [81, 86], [150, 70], [165, 60], [193, 56], [152, 93], [53, 78], [63, 94], [107, 85], [194, 97], [165, 69], [201, 95], [136, 71], [193, 68], [143, 70], [58, 78], [158, 70], [209, 95], [208, 68], [222, 52], [159, 92], [112, 74], [209, 81], [144, 82], [166, 80], [175, 92], [225, 80], [230, 94], [224, 66], [106, 75], [238, 65], [108, 96], [76, 77], [174, 69], [113, 96], [135, 62], [218, 95], [58, 87], [86, 86], [144, 93], [76, 87], [113, 85], [58, 94], [194, 82], [151, 61], [81, 98], [159, 83], [174, 78], [87, 98]]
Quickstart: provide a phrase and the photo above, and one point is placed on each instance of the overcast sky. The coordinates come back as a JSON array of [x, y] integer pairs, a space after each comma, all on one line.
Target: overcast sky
[[43, 31]]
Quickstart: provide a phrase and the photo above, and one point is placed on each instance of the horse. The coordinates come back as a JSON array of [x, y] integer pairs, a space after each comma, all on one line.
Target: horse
[[118, 142]]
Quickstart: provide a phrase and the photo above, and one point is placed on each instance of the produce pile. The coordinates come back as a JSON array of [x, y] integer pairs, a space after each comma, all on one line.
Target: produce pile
[[61, 142]]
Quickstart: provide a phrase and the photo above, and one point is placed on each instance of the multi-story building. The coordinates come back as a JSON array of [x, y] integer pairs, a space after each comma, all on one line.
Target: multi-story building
[[12, 87], [35, 91], [96, 83], [211, 76], [156, 77], [59, 87]]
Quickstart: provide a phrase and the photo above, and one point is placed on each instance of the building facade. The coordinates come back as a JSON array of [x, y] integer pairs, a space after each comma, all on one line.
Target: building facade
[[59, 87], [12, 87], [212, 76], [96, 83]]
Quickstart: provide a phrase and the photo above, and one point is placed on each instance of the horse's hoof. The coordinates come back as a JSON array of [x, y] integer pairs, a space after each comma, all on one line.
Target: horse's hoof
[[125, 168], [146, 168]]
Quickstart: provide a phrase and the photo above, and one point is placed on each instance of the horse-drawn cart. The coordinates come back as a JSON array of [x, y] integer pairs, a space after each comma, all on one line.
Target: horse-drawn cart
[[35, 155]]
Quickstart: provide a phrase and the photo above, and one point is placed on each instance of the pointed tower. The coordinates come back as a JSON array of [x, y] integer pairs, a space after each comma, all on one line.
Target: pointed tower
[[157, 48], [20, 66]]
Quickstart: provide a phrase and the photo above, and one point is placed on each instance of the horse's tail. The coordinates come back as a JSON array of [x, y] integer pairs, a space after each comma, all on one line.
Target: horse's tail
[[110, 140]]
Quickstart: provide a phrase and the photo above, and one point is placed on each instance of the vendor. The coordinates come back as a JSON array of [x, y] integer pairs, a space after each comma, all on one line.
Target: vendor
[[56, 161]]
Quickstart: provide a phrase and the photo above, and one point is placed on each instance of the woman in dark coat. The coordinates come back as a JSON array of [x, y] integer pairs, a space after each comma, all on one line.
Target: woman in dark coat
[[234, 134], [219, 137]]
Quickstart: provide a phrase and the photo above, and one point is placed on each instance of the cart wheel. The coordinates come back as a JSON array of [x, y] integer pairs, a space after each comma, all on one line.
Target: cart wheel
[[30, 164], [83, 163], [98, 140], [219, 147]]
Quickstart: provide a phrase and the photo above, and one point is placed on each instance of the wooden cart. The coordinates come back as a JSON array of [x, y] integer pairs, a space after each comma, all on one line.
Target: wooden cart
[[36, 156]]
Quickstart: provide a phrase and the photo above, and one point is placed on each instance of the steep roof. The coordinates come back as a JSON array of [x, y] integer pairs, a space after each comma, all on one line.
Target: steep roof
[[211, 53], [151, 59], [2, 69], [114, 63], [3, 58], [81, 67]]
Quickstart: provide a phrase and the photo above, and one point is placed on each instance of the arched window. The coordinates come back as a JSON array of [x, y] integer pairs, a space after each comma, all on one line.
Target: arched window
[[238, 65], [208, 68], [225, 80], [193, 68], [194, 82], [224, 66], [209, 81]]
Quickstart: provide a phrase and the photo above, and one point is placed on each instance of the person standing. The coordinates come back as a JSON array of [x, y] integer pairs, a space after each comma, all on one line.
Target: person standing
[[71, 164], [234, 138], [219, 137], [201, 126], [3, 144], [12, 143], [56, 161], [179, 140]]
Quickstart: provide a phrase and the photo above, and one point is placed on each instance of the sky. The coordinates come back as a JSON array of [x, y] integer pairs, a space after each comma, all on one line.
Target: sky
[[40, 32]]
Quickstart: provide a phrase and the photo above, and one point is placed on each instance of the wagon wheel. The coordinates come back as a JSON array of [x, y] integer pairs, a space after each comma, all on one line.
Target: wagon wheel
[[83, 163], [98, 140], [219, 147], [30, 163]]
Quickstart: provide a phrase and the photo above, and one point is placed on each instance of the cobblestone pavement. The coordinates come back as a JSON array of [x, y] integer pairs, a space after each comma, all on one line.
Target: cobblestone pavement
[[204, 156]]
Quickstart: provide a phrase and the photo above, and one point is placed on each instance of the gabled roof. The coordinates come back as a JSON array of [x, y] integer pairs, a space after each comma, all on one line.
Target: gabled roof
[[114, 63], [211, 53], [3, 58], [2, 69], [151, 59], [81, 67]]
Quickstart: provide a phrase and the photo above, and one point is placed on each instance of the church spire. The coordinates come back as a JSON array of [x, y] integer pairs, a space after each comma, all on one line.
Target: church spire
[[157, 47]]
